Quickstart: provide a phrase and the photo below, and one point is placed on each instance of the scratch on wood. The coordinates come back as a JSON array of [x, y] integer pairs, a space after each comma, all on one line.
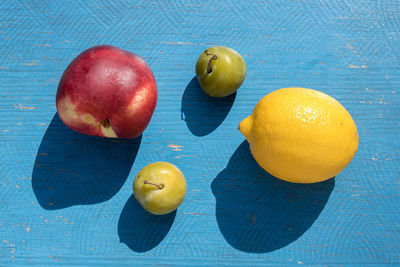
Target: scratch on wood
[[349, 46], [252, 218], [193, 213], [382, 101], [347, 18]]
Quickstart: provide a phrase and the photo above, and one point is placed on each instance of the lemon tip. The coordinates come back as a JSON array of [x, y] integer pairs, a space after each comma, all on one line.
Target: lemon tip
[[244, 126]]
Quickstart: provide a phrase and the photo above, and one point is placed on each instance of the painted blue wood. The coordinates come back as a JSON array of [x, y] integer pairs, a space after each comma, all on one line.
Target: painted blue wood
[[66, 199]]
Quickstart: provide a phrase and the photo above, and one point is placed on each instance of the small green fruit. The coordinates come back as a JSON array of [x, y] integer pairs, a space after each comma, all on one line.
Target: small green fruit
[[220, 71], [160, 187]]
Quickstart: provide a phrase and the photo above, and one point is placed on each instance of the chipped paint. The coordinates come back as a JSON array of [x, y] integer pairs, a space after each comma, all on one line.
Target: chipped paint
[[185, 156], [180, 43], [23, 107], [175, 147], [43, 45], [45, 220], [363, 66], [32, 63]]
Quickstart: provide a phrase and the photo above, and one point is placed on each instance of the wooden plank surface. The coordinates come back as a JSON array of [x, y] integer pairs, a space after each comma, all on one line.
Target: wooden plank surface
[[66, 199]]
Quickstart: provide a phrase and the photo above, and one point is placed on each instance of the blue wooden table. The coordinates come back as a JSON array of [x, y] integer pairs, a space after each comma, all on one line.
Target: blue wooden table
[[66, 199]]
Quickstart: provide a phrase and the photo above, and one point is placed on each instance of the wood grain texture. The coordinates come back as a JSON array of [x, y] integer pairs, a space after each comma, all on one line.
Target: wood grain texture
[[66, 199]]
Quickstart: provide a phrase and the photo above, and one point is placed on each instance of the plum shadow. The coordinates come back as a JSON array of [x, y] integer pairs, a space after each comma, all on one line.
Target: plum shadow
[[259, 213], [202, 113], [140, 230], [75, 169]]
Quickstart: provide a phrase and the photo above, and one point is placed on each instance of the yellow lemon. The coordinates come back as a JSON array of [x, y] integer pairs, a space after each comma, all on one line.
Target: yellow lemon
[[301, 135]]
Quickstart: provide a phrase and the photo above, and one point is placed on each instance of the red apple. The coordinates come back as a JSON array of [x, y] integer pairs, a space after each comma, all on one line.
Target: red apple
[[108, 92]]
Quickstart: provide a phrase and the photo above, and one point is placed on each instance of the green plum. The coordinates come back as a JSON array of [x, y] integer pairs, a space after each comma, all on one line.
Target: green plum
[[220, 71], [160, 187]]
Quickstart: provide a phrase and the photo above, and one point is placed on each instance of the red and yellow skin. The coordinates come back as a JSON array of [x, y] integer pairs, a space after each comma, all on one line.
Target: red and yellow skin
[[108, 92]]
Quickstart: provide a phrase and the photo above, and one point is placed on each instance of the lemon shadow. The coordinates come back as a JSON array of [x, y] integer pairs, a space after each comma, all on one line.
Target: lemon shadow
[[259, 213], [202, 113]]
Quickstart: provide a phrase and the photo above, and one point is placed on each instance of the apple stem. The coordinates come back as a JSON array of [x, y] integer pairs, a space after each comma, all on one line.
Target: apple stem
[[160, 186], [105, 123], [214, 57]]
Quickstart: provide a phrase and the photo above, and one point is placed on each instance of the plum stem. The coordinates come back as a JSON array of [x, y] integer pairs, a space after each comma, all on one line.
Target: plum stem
[[159, 186], [214, 57], [105, 123]]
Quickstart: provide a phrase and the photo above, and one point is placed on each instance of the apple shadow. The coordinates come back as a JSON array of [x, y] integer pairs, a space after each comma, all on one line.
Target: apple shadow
[[202, 113], [75, 169], [140, 230], [259, 213]]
